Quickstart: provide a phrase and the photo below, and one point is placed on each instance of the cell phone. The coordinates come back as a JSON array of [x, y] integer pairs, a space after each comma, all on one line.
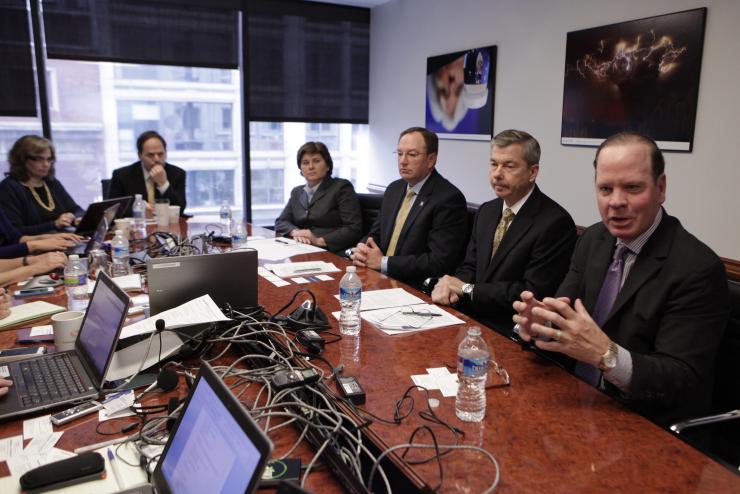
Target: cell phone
[[13, 354]]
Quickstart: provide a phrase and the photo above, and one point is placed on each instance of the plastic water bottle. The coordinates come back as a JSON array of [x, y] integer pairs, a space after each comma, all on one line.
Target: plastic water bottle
[[472, 368], [139, 212], [350, 296], [238, 235], [75, 282], [225, 215], [119, 254]]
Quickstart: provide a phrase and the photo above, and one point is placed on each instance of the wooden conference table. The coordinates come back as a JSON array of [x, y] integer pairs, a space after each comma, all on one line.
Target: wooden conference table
[[549, 431]]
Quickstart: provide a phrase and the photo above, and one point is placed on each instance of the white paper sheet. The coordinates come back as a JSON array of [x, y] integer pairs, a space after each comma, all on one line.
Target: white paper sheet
[[391, 297], [274, 249], [407, 319], [131, 282], [10, 446], [44, 330], [290, 269], [40, 426], [198, 311]]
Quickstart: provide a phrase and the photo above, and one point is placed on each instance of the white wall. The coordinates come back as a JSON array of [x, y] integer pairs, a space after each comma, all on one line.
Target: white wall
[[703, 186]]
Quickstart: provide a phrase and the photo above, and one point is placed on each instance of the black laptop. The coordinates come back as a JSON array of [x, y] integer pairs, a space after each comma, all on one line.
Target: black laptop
[[89, 222], [228, 277], [98, 236], [215, 446], [74, 376]]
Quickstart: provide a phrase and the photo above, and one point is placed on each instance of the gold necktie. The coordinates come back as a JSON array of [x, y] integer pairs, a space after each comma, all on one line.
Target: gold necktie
[[501, 229], [150, 191], [403, 212]]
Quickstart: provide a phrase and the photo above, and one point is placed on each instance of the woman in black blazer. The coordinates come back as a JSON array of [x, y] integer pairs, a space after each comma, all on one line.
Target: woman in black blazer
[[35, 201], [325, 212]]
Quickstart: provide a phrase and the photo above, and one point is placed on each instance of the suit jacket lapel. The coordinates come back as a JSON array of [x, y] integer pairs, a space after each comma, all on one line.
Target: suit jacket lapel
[[419, 203], [321, 191], [596, 268], [648, 262], [394, 198]]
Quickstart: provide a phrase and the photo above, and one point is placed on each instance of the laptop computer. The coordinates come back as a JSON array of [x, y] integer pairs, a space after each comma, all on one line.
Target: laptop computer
[[228, 277], [90, 220], [215, 446], [74, 376], [98, 236]]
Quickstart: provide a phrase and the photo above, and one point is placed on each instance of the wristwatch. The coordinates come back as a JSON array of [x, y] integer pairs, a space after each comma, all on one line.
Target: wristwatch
[[610, 358], [467, 290]]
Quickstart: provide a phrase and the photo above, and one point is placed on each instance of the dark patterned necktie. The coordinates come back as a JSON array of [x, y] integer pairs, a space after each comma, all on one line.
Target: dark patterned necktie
[[604, 304]]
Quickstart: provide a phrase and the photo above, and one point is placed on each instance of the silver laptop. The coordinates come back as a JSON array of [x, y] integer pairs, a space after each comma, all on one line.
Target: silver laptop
[[78, 375], [228, 277], [90, 220], [98, 236], [215, 447]]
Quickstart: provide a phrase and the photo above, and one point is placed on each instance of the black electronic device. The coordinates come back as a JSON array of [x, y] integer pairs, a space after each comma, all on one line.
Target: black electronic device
[[70, 471], [311, 341], [95, 211], [351, 389], [297, 377], [277, 471]]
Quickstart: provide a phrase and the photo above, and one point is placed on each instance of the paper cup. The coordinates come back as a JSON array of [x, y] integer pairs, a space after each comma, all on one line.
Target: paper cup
[[162, 211], [124, 224], [174, 214], [66, 326]]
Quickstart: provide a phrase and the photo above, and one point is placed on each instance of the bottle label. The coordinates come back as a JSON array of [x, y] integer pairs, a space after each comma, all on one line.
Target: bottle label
[[120, 251], [350, 293], [75, 280], [473, 367]]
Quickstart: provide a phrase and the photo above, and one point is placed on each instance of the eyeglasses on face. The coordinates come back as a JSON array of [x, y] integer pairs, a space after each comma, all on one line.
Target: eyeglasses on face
[[412, 155]]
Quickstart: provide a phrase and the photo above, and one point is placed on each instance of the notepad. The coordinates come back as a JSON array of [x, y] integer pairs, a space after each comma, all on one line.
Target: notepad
[[29, 312]]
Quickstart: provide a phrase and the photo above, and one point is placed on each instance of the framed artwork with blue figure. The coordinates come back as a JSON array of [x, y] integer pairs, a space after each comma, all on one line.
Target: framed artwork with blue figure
[[460, 94]]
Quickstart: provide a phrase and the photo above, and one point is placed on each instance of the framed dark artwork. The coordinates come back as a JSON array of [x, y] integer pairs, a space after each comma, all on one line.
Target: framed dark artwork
[[460, 94], [640, 75]]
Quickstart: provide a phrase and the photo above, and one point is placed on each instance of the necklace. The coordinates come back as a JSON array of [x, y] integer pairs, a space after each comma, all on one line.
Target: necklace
[[36, 196]]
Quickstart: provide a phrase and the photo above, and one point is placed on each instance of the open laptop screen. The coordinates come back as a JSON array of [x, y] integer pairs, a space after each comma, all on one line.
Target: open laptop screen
[[210, 451], [100, 328]]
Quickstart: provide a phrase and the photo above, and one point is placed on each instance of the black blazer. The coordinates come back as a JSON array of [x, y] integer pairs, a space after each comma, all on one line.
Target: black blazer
[[433, 238], [670, 314], [24, 213], [534, 255], [334, 213], [129, 180]]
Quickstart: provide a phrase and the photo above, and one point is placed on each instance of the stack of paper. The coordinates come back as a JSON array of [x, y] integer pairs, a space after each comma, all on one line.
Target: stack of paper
[[131, 282], [276, 249], [198, 311], [291, 269]]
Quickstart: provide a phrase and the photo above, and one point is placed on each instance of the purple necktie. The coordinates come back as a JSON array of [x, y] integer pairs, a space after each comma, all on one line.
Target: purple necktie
[[604, 303]]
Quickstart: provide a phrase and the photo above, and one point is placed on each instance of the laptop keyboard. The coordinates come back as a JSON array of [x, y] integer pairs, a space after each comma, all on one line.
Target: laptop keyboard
[[47, 380]]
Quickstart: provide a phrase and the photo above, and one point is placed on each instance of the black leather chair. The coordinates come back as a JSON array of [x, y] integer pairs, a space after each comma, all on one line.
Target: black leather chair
[[718, 435], [370, 207], [105, 184]]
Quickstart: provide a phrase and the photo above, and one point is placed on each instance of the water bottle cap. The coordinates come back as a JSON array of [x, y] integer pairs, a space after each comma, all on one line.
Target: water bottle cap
[[119, 232], [351, 269], [137, 197], [74, 257], [473, 331]]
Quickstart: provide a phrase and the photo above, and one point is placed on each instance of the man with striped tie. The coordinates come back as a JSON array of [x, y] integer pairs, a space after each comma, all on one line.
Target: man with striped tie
[[522, 240], [644, 306], [420, 231]]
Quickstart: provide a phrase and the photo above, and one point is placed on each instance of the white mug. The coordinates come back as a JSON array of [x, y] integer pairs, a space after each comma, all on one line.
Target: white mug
[[66, 327], [162, 212], [174, 214]]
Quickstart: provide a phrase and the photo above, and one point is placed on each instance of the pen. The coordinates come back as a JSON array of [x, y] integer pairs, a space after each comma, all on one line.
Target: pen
[[424, 314], [114, 467], [93, 447], [308, 270], [282, 241]]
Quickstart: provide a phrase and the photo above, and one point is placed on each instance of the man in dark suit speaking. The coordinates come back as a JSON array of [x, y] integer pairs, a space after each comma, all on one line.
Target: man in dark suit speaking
[[644, 305], [151, 176], [420, 231], [520, 241]]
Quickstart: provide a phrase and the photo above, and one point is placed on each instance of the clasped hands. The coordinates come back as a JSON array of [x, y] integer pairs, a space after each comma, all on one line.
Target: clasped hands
[[367, 255], [306, 236], [448, 290], [557, 327]]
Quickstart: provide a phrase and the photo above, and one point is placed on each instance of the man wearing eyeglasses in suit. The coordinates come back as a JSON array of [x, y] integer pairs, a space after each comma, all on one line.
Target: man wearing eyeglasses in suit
[[420, 231]]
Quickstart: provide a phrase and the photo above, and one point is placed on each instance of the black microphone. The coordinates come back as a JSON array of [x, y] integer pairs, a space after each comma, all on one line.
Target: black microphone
[[159, 324], [167, 380]]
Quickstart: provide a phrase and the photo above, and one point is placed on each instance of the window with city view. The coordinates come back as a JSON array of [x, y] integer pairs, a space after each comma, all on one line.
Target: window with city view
[[98, 109]]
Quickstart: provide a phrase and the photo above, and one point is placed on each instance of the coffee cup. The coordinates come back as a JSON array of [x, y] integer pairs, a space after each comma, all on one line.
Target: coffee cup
[[162, 212], [174, 214], [66, 326]]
